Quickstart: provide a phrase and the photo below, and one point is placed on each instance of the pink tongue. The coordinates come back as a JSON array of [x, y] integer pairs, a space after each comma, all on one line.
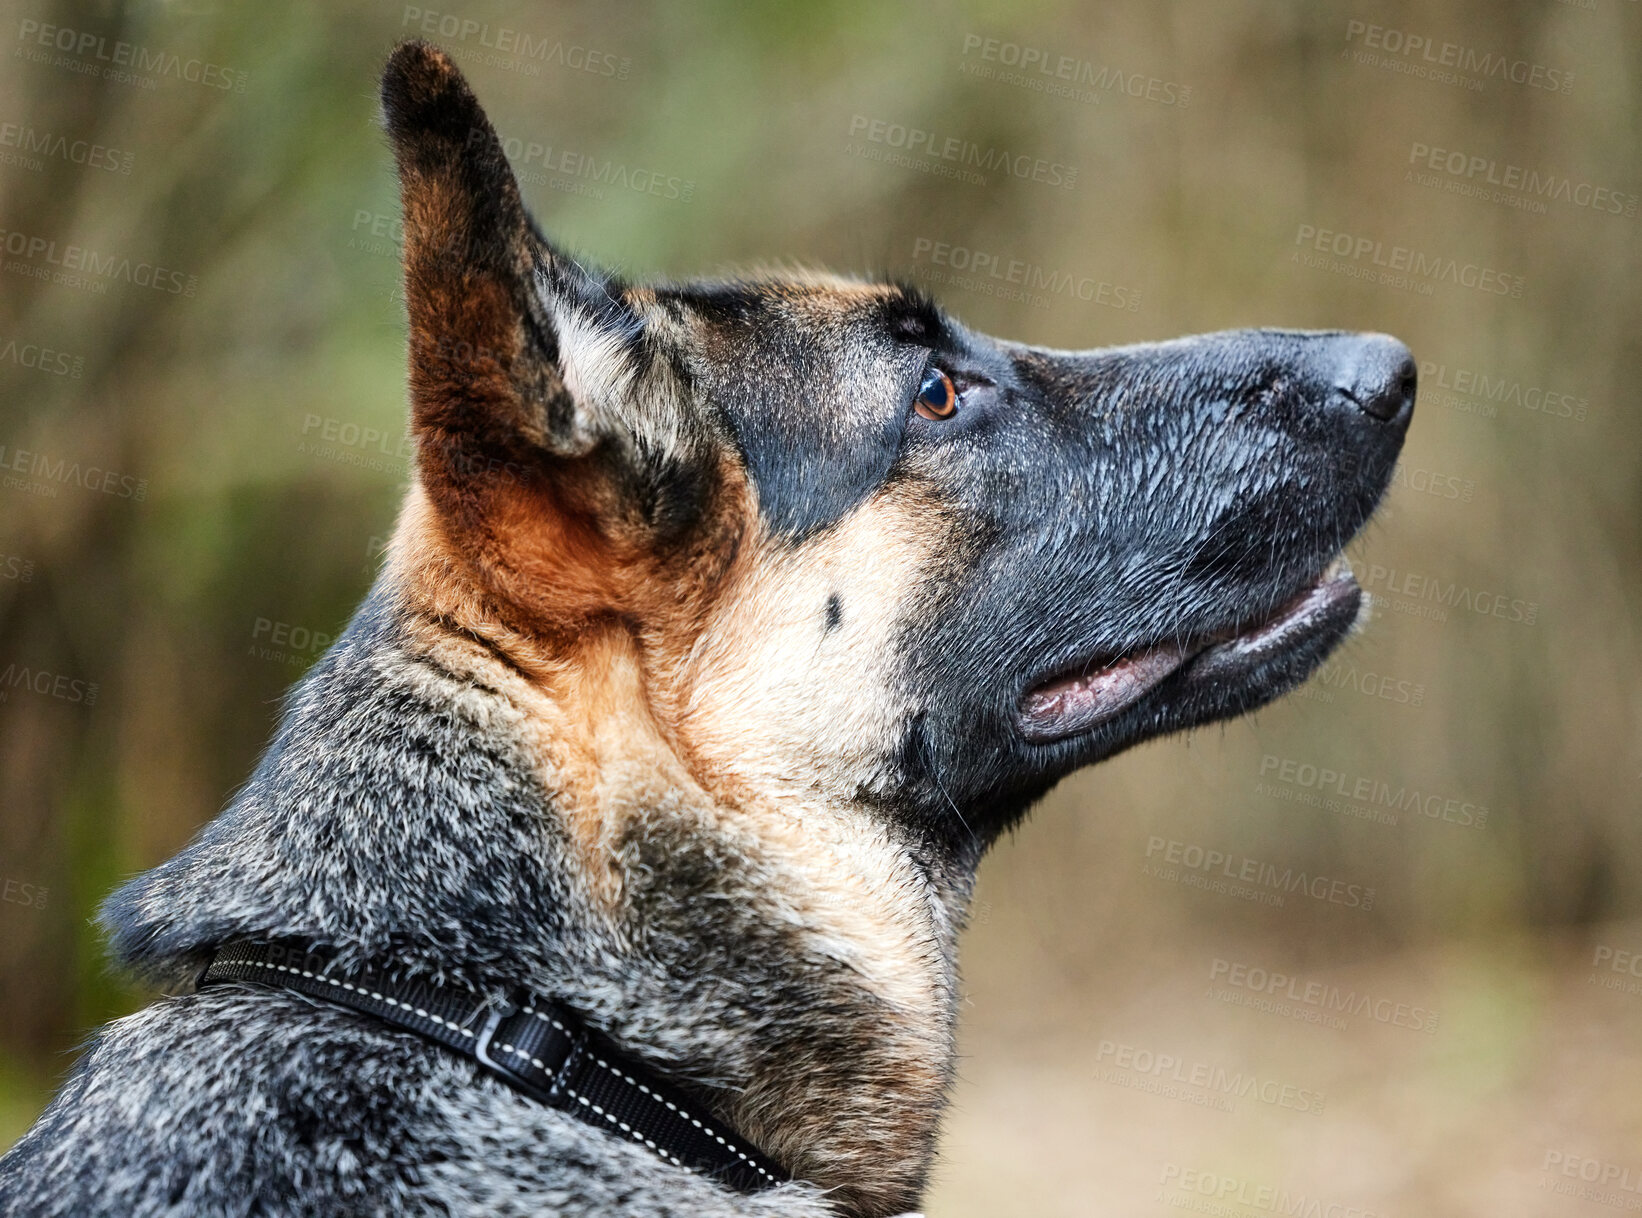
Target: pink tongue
[[1076, 703]]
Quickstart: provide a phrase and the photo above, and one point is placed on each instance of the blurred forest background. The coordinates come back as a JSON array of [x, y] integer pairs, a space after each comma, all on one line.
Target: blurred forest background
[[202, 449]]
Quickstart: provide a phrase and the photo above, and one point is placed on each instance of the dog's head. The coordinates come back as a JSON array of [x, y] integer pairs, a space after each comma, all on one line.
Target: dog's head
[[864, 554]]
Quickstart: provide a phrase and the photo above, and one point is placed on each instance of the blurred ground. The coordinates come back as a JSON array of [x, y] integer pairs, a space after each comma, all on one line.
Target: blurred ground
[[208, 402], [1167, 1066], [1541, 1117]]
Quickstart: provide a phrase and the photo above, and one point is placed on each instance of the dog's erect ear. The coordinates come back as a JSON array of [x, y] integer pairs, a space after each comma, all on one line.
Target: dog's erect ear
[[495, 312], [521, 362]]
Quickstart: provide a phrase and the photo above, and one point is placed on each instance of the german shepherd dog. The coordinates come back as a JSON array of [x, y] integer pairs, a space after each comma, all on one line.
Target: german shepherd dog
[[724, 627]]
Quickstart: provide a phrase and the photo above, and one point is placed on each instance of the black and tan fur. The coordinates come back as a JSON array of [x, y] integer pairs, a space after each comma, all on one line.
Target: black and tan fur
[[691, 693]]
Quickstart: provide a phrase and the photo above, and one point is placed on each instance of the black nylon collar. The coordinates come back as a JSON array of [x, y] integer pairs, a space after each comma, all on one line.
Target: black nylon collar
[[535, 1046]]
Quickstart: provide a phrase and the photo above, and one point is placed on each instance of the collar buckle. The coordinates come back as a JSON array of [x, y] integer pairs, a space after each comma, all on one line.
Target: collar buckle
[[500, 1060]]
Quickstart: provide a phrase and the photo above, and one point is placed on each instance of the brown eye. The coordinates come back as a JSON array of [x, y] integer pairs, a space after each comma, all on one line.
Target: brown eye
[[936, 399]]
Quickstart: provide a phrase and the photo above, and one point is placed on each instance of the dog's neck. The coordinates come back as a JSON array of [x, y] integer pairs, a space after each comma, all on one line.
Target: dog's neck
[[443, 796]]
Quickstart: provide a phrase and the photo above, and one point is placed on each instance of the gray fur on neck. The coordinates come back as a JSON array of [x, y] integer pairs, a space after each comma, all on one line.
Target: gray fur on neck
[[395, 817], [398, 818]]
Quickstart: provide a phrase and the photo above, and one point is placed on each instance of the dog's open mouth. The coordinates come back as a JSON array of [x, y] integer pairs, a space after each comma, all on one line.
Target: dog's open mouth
[[1098, 692]]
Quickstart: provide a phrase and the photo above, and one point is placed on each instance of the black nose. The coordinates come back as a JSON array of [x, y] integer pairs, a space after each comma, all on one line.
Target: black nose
[[1380, 377]]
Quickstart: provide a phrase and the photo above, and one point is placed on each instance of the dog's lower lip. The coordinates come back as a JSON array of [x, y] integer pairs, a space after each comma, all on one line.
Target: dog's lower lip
[[1332, 591], [1079, 701], [1076, 702]]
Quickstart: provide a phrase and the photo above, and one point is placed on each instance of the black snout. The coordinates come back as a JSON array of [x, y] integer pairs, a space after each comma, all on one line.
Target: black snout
[[1378, 375]]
